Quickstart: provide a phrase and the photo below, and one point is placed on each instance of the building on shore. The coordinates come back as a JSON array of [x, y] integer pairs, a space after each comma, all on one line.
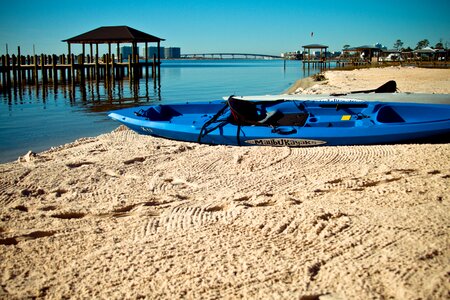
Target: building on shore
[[165, 52], [126, 51], [292, 55], [153, 51], [172, 52]]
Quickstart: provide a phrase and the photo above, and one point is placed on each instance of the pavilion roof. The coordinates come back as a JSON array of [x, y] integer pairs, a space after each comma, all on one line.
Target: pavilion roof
[[425, 50], [364, 47], [113, 34], [314, 46]]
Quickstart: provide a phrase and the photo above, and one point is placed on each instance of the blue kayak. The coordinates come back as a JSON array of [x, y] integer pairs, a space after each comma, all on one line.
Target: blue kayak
[[292, 123]]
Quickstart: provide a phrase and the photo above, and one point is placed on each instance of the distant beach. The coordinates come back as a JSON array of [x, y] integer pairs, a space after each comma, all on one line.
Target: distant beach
[[408, 79], [122, 215]]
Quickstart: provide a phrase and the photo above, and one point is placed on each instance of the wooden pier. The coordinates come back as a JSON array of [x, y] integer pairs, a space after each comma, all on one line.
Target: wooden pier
[[17, 70]]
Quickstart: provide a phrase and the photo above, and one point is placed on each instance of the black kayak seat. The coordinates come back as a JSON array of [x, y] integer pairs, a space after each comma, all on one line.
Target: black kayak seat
[[249, 113], [245, 112]]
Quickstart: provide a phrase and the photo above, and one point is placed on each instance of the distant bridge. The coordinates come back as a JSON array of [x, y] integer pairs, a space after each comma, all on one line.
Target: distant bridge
[[230, 55]]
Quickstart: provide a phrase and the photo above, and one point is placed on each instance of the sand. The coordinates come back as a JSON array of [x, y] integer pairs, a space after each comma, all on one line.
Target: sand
[[409, 79], [125, 216]]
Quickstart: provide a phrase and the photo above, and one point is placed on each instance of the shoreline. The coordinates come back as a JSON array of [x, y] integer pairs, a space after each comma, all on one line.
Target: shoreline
[[122, 215], [409, 80]]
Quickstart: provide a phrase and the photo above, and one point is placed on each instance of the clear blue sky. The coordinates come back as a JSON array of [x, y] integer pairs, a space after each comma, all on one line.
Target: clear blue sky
[[249, 26]]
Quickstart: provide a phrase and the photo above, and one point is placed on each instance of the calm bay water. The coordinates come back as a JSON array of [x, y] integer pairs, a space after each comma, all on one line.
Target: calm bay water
[[39, 118]]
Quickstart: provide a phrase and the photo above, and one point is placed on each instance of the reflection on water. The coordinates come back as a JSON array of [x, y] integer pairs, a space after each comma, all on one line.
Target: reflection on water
[[117, 94], [37, 117], [93, 95]]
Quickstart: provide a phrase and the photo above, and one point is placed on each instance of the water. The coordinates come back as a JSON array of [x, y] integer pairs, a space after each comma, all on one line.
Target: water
[[39, 118]]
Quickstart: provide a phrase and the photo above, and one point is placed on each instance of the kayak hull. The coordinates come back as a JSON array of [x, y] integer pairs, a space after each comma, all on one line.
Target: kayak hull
[[325, 123]]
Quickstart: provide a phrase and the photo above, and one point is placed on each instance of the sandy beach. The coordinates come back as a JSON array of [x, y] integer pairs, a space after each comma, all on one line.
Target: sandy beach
[[125, 216], [408, 79]]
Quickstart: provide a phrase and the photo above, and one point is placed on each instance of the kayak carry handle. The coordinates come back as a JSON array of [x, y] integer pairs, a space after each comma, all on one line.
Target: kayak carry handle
[[284, 131]]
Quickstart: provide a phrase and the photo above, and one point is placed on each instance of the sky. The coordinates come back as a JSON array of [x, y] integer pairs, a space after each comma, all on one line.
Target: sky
[[244, 26]]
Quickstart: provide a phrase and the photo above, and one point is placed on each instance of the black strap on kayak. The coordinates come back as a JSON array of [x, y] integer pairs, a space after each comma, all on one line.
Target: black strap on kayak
[[210, 121], [238, 134]]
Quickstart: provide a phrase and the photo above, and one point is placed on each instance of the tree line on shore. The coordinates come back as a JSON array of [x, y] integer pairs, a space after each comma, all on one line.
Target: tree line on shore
[[398, 45]]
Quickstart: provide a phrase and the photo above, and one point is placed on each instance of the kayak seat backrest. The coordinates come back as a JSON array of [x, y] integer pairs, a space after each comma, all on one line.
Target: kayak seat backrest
[[160, 113], [245, 112], [387, 114]]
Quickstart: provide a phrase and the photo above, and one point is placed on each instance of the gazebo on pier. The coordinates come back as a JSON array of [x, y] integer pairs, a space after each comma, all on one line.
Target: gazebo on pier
[[321, 61], [116, 35], [367, 53]]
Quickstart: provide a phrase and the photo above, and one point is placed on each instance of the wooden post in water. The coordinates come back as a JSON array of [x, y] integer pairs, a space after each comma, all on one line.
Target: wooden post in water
[[122, 67], [133, 56], [159, 61], [146, 60], [50, 70], [72, 68], [55, 71], [43, 72], [8, 73], [118, 68], [14, 75], [91, 53], [19, 64], [69, 72], [91, 60], [23, 62], [4, 70], [154, 70], [97, 77], [82, 68], [108, 62], [106, 68], [102, 68], [154, 67], [113, 70], [129, 67], [138, 67], [35, 70], [63, 69], [69, 54], [88, 67]]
